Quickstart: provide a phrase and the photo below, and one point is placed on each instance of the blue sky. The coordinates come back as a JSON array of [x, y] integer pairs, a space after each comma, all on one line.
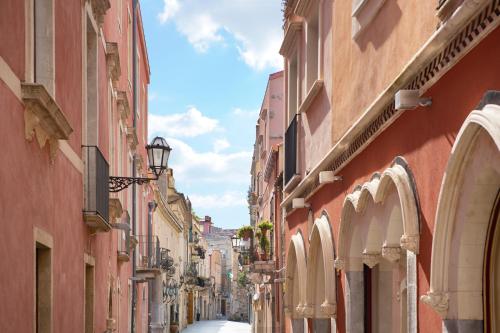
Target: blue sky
[[210, 61]]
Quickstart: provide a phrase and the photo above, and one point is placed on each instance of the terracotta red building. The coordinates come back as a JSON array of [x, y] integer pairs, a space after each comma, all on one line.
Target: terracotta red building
[[392, 165], [73, 99]]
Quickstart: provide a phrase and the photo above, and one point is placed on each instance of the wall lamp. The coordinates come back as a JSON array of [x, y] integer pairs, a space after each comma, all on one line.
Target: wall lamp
[[158, 153], [408, 99], [328, 177], [300, 203]]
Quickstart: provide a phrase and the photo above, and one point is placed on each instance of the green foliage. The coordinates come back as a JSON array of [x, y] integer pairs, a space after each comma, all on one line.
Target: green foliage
[[258, 234], [243, 279], [245, 231], [265, 225], [264, 244]]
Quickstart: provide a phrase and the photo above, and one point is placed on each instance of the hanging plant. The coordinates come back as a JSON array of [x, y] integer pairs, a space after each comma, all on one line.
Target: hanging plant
[[265, 226]]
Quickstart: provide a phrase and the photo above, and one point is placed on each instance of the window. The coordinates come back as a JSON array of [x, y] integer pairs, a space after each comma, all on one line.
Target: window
[[312, 42], [92, 112], [89, 298], [43, 292], [43, 44], [292, 87]]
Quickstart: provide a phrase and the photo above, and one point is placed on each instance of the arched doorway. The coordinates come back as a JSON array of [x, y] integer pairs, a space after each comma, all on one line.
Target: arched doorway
[[296, 283], [378, 244], [465, 241], [321, 304]]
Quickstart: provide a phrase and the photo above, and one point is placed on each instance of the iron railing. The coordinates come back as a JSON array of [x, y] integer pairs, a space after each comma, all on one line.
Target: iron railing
[[124, 241], [291, 150], [149, 252], [96, 182]]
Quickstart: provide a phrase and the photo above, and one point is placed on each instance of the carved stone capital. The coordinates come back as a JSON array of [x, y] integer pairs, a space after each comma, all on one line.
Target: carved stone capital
[[113, 61], [391, 253], [339, 264], [410, 243], [438, 301], [122, 103], [288, 311], [328, 309], [308, 311], [371, 259]]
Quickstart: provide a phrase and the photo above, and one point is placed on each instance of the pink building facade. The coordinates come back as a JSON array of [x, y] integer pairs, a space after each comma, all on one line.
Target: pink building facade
[[391, 165], [71, 107]]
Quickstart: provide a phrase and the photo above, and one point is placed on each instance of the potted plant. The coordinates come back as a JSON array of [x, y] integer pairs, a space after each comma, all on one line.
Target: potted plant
[[174, 327], [264, 246], [265, 226], [245, 232]]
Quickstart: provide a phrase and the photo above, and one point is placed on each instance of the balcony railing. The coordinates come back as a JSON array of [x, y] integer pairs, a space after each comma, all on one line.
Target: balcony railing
[[149, 256], [291, 150], [124, 238], [96, 196]]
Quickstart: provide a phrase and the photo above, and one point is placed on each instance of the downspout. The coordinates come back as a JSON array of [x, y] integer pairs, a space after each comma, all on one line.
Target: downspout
[[151, 207], [134, 173]]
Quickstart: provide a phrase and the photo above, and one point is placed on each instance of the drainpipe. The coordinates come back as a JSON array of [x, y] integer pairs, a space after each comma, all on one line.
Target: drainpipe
[[134, 189], [152, 285]]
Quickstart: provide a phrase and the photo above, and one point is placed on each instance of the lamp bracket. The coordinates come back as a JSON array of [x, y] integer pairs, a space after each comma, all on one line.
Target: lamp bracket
[[117, 184]]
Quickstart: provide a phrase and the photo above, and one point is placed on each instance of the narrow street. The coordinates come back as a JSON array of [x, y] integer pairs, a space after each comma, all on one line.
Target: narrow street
[[218, 326]]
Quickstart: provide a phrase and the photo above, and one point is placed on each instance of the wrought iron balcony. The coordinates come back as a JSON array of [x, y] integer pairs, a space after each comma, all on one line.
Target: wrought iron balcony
[[96, 189], [124, 238], [149, 257]]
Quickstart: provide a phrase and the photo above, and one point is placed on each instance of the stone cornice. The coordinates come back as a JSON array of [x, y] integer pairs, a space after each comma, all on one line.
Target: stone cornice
[[438, 301], [291, 34], [43, 118]]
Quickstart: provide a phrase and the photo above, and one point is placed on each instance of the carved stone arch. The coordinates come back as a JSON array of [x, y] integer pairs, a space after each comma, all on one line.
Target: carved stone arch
[[398, 176], [321, 278], [348, 211], [468, 191], [367, 193], [296, 274]]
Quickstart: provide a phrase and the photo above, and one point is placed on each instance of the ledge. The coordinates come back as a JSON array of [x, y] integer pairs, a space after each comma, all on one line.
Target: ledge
[[113, 61], [43, 118], [96, 222], [311, 95], [292, 183], [289, 40], [122, 103], [447, 9]]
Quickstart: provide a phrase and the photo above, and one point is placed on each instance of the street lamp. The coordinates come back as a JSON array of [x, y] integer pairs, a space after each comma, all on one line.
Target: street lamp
[[158, 153], [235, 241]]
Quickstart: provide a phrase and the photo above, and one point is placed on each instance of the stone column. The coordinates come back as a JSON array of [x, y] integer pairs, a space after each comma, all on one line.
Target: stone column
[[157, 310]]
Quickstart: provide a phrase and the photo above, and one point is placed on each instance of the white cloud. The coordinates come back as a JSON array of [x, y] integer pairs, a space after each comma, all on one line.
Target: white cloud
[[220, 145], [192, 123], [227, 199], [246, 113], [170, 8], [194, 167], [255, 26]]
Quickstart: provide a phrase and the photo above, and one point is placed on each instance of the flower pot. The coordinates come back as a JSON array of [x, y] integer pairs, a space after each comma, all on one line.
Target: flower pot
[[174, 328], [247, 234], [263, 256]]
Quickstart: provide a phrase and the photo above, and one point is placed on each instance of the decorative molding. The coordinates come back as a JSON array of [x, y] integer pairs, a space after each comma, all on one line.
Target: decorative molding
[[132, 139], [307, 311], [364, 14], [43, 118], [391, 253], [328, 309], [303, 7], [410, 243], [470, 24], [123, 106], [339, 264], [139, 161], [115, 209], [113, 61], [311, 95], [293, 30], [99, 8], [371, 259], [438, 301]]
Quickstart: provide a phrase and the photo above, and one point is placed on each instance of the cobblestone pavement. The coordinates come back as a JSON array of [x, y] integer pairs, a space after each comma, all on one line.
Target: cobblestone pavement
[[217, 326]]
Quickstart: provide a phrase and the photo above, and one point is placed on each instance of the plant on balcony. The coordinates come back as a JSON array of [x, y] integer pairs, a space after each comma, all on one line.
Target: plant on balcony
[[265, 226], [243, 279], [264, 246], [245, 232]]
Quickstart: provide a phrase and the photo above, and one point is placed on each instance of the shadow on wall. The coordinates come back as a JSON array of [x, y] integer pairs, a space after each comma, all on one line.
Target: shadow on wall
[[381, 27]]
